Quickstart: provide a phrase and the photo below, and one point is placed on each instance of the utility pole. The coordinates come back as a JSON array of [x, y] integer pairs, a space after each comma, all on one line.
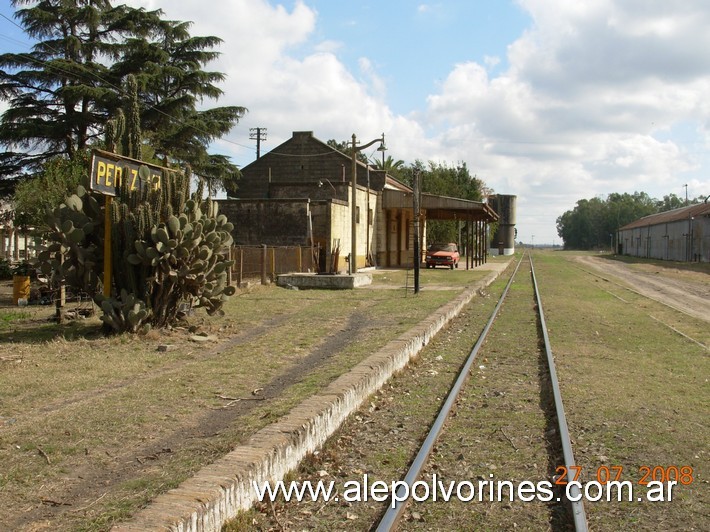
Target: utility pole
[[258, 134], [353, 202], [686, 194], [417, 252]]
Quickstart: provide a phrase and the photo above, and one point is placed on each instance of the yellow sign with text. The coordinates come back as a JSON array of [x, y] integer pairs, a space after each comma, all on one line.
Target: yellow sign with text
[[108, 171]]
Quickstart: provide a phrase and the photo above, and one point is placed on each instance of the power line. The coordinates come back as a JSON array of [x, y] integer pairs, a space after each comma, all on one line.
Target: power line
[[12, 39], [12, 21]]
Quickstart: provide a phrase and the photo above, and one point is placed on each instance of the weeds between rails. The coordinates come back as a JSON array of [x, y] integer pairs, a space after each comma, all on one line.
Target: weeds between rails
[[395, 510], [628, 386]]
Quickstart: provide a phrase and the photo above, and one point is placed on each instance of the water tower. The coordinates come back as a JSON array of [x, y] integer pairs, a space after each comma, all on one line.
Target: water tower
[[503, 241]]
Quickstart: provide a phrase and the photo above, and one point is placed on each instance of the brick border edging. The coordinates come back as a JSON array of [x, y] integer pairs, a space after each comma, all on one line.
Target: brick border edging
[[220, 490]]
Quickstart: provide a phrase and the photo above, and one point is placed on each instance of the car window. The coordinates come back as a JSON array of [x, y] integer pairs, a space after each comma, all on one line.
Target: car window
[[443, 247]]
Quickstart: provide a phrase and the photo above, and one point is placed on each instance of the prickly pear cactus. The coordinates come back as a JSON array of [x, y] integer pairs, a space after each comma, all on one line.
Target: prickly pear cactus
[[74, 253], [169, 253], [188, 255], [127, 313]]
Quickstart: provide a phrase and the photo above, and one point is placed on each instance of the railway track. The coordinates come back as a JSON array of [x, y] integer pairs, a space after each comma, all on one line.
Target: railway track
[[502, 419], [395, 511]]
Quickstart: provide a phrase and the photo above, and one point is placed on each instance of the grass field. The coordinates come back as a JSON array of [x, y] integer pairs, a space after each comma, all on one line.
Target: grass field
[[93, 427], [635, 392]]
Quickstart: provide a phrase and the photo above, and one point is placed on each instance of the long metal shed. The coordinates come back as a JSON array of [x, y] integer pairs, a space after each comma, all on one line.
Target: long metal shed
[[681, 235]]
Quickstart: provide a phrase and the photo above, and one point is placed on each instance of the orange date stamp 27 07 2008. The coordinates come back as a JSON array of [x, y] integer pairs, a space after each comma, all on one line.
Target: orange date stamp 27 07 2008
[[604, 474]]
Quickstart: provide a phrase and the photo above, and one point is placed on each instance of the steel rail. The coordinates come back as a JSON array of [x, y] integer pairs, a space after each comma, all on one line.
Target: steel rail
[[578, 514], [394, 512]]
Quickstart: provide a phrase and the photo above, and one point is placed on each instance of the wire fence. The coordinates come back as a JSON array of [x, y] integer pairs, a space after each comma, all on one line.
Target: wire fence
[[251, 263], [266, 262]]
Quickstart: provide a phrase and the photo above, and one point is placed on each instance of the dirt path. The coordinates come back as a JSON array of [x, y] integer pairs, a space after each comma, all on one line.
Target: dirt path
[[79, 487], [109, 423], [689, 294]]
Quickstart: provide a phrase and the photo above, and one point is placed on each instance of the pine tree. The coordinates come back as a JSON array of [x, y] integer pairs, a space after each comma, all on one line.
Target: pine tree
[[62, 93], [171, 92]]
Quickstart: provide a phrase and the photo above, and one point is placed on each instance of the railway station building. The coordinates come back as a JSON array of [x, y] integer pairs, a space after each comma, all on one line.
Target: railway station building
[[300, 193], [681, 235]]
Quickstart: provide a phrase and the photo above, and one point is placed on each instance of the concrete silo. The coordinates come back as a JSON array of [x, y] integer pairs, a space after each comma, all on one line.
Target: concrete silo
[[503, 241]]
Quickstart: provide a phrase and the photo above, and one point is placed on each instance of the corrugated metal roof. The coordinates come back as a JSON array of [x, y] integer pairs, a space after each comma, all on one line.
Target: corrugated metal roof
[[440, 207], [395, 184], [692, 211]]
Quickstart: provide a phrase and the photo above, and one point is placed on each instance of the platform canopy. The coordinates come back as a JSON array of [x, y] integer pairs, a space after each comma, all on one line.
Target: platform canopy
[[441, 207]]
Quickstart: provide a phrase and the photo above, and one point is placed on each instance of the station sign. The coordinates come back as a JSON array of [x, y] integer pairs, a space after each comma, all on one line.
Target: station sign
[[108, 170]]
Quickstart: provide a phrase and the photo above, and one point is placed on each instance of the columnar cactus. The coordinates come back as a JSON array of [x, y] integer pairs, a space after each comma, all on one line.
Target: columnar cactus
[[132, 139]]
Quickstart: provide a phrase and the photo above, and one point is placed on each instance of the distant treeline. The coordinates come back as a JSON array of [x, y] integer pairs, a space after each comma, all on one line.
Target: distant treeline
[[591, 224]]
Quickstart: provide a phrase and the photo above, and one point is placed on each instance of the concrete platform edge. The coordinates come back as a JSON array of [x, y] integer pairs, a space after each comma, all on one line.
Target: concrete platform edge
[[220, 490]]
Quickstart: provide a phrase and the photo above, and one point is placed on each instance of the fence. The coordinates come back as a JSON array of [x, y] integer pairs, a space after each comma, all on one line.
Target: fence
[[266, 262]]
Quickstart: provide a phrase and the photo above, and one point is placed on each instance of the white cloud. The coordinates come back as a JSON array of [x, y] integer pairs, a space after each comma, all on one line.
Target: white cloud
[[491, 61], [574, 115], [328, 46], [283, 91], [589, 103], [372, 78]]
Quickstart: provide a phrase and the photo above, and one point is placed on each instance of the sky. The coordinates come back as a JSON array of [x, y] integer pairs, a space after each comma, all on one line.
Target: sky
[[549, 100]]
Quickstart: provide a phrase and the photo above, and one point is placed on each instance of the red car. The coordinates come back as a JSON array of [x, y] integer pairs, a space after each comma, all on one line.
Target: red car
[[442, 255]]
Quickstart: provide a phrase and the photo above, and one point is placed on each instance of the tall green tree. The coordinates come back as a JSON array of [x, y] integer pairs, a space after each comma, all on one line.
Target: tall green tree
[[442, 179], [670, 202], [445, 179], [593, 222], [172, 83], [63, 92], [60, 92], [57, 178]]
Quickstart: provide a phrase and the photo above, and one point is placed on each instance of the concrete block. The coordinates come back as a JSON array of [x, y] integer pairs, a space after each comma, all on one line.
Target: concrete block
[[304, 281]]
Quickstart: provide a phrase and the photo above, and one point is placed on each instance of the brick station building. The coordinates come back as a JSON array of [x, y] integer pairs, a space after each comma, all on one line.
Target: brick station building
[[300, 193]]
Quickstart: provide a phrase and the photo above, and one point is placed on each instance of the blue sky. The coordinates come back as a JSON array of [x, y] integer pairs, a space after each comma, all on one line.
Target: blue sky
[[550, 100], [414, 45]]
